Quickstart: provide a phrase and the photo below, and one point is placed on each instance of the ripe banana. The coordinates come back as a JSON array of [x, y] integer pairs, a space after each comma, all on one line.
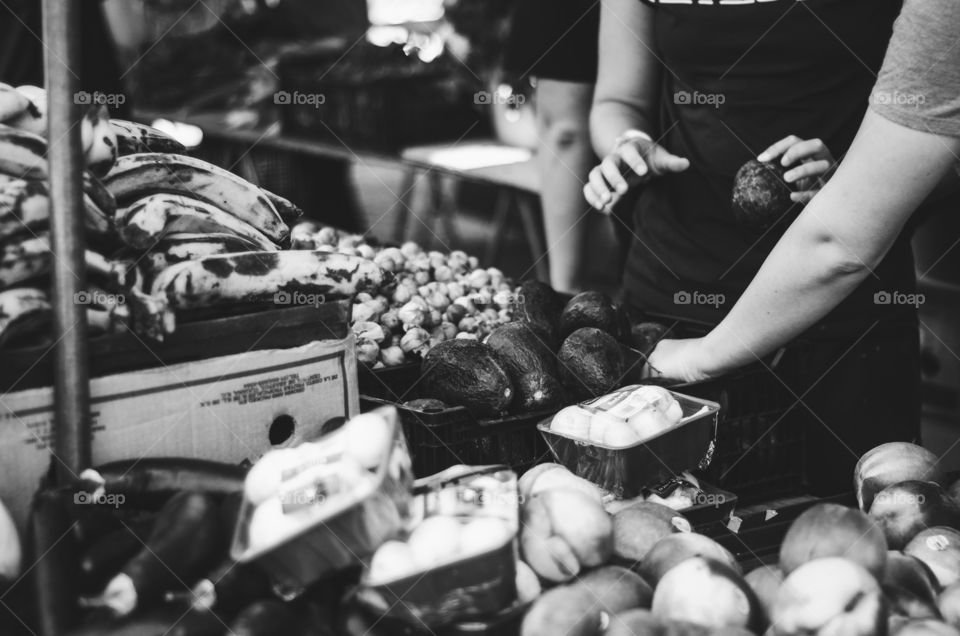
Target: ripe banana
[[182, 246], [261, 276], [149, 219], [99, 140], [23, 310], [150, 314], [24, 260], [138, 175], [288, 211], [25, 206], [93, 187], [22, 154], [133, 138], [34, 118], [13, 103]]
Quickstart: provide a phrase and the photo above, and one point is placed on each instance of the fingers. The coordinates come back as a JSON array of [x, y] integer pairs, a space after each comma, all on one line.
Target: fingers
[[663, 162], [778, 148], [809, 149], [630, 155], [610, 169], [803, 197], [809, 170], [597, 191]]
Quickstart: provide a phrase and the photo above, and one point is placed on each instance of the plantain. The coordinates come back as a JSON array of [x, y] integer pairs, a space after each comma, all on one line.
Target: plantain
[[24, 259], [13, 103], [154, 216], [288, 211], [23, 311], [133, 138], [33, 118], [99, 140], [266, 276], [136, 176], [22, 154]]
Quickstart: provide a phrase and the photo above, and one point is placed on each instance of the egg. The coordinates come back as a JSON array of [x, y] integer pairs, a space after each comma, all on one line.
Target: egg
[[573, 421], [368, 438], [674, 412], [484, 534], [599, 424], [392, 561], [620, 435], [648, 423], [436, 540]]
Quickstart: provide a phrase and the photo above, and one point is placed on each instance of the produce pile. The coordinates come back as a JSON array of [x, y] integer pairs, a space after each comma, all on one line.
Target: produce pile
[[588, 565], [438, 297], [166, 233], [890, 567], [548, 354]]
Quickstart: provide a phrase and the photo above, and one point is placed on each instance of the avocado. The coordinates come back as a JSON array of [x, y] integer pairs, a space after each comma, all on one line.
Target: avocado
[[590, 309], [531, 363], [760, 195], [538, 304], [468, 373], [591, 362], [645, 336]]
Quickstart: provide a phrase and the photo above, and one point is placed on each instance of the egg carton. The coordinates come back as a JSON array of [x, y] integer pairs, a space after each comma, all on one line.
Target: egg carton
[[473, 587], [626, 470], [345, 533]]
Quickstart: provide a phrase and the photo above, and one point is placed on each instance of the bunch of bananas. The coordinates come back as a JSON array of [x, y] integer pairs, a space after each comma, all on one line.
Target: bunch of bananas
[[167, 232]]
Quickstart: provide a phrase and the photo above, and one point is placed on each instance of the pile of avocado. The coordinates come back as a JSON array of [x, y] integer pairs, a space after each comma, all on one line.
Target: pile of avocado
[[549, 356]]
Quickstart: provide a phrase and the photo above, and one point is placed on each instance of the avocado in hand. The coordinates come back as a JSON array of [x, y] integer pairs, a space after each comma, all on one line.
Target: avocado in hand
[[761, 197]]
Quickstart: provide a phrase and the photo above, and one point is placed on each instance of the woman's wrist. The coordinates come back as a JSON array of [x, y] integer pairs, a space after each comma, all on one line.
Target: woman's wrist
[[630, 135]]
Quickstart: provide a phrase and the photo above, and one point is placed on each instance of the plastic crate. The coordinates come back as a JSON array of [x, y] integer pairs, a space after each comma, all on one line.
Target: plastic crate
[[441, 439], [761, 447]]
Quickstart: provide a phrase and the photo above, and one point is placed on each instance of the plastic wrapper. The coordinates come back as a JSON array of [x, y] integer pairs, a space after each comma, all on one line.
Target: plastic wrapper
[[332, 532], [626, 469], [475, 586]]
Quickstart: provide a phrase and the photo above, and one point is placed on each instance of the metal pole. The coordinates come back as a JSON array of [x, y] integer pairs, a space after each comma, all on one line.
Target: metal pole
[[61, 38]]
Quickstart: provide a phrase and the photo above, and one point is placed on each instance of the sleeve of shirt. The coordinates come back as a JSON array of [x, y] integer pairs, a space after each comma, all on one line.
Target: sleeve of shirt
[[919, 84]]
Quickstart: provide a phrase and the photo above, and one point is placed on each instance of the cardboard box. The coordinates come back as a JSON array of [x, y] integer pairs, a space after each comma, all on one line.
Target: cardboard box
[[231, 408]]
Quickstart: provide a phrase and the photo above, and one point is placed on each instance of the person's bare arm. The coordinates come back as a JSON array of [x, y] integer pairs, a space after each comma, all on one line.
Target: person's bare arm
[[625, 103], [835, 243], [628, 76]]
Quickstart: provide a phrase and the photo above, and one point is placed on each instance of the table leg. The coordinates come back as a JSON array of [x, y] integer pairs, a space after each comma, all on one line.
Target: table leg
[[534, 233]]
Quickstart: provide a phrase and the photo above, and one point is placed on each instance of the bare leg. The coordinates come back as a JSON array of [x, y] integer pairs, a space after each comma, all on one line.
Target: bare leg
[[565, 158]]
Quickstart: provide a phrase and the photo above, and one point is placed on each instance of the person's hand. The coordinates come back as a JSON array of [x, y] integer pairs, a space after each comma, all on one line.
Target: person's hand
[[643, 157], [680, 360], [812, 160]]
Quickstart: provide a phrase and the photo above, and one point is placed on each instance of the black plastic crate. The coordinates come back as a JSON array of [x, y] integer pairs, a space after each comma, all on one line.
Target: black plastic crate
[[761, 447], [440, 439]]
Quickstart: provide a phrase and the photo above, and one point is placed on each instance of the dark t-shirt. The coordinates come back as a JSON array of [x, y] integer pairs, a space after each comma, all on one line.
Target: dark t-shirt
[[738, 77], [554, 39], [919, 85]]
